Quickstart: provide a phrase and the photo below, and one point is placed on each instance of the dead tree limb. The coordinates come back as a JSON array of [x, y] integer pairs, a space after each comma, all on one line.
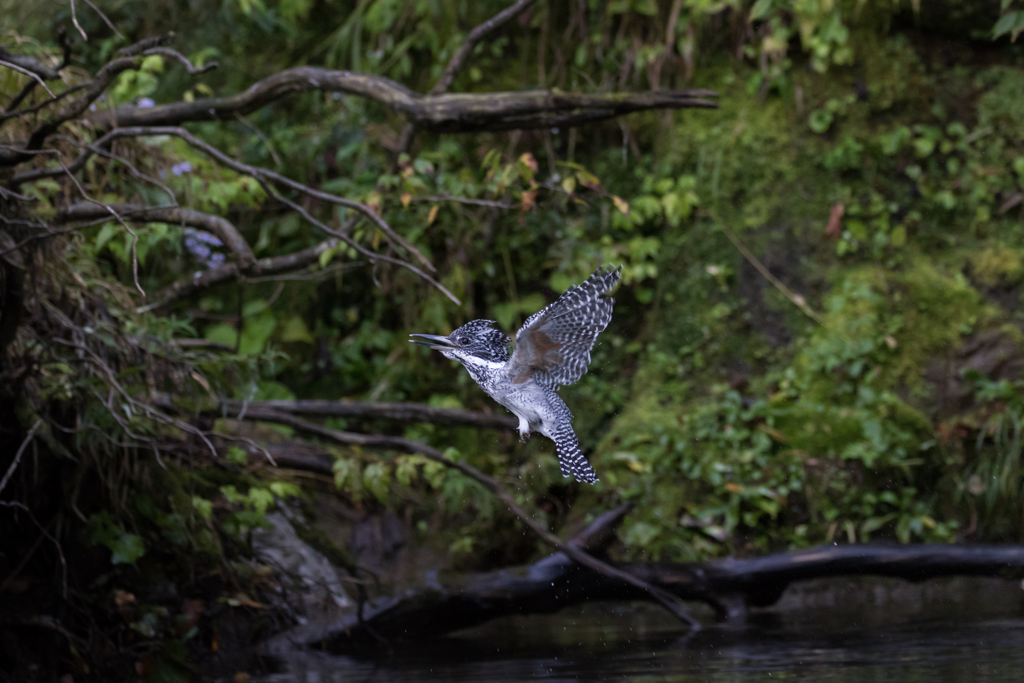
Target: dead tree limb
[[30, 64], [264, 177], [221, 227], [231, 271], [730, 586], [235, 165], [449, 113], [477, 599]]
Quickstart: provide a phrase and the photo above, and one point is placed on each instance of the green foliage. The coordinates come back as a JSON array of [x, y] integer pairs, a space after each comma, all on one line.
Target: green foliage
[[734, 422], [125, 547]]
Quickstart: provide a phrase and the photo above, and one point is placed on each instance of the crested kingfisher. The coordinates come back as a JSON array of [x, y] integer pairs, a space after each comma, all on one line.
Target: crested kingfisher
[[552, 349]]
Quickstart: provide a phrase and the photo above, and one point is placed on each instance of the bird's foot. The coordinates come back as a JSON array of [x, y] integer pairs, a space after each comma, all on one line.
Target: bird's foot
[[524, 437]]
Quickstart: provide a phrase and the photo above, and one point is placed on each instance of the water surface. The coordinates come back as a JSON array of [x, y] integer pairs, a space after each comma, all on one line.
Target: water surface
[[943, 632]]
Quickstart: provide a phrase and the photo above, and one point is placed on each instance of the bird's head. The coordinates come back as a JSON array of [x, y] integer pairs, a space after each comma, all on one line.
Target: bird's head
[[476, 340]]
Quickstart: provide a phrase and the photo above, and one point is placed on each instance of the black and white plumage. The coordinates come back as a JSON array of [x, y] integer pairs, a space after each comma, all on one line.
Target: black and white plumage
[[552, 350]]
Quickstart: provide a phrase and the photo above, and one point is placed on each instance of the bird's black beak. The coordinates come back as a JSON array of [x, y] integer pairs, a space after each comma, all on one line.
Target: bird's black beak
[[434, 341]]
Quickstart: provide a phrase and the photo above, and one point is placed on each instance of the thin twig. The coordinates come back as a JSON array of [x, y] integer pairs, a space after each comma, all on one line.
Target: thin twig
[[798, 300], [74, 20], [465, 200], [174, 54], [36, 107], [41, 82], [117, 216], [17, 456], [474, 37], [49, 536], [263, 138], [103, 16], [458, 60], [262, 175]]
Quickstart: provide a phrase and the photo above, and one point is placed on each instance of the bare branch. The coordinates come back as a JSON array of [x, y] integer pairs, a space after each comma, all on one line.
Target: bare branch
[[74, 20], [230, 272], [9, 114], [404, 412], [466, 200], [233, 164], [221, 227], [106, 21], [221, 274], [37, 77], [62, 38], [92, 90], [128, 59], [29, 64], [17, 456], [474, 37], [438, 113], [174, 54]]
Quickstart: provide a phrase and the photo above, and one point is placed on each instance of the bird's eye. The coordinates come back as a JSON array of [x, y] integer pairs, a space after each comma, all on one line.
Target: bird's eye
[[463, 340]]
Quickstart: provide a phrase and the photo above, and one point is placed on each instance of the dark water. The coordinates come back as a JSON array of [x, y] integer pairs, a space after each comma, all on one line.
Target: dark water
[[953, 634]]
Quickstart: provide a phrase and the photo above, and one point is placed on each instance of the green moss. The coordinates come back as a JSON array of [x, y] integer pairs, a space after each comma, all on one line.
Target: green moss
[[997, 266]]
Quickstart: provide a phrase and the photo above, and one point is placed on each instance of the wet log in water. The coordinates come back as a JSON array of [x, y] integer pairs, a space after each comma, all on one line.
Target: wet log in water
[[730, 586]]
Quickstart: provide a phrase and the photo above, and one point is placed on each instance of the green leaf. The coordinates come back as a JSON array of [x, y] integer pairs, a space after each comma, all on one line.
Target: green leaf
[[923, 147], [127, 549], [203, 506], [260, 500], [256, 332], [221, 334], [325, 257], [106, 232], [760, 10], [405, 469], [1011, 23], [283, 489], [820, 120], [295, 330], [899, 236], [377, 478], [237, 456], [641, 534]]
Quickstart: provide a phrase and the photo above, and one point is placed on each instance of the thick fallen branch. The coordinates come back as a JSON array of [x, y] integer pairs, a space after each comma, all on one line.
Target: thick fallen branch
[[730, 586], [447, 113], [482, 597], [221, 227]]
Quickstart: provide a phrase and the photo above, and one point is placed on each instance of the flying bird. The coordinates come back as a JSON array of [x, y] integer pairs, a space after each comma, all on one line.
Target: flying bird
[[552, 350]]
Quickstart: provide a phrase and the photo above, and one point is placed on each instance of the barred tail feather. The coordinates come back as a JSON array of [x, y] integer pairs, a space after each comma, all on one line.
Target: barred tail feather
[[570, 457]]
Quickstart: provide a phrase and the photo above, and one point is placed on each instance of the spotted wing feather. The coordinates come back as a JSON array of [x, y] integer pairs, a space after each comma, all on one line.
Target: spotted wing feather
[[554, 344]]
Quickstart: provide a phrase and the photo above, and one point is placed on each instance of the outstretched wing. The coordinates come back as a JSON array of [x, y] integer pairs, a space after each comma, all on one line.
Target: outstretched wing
[[557, 340]]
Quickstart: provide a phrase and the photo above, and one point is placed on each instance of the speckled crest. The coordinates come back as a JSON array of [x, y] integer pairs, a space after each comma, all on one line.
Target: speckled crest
[[478, 338]]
